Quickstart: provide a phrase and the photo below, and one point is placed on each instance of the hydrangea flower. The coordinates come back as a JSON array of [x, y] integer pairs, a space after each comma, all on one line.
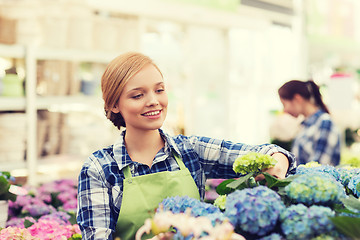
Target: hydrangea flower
[[315, 189], [325, 169], [179, 204], [274, 236], [19, 222], [353, 182], [253, 162], [49, 229], [310, 164], [11, 233], [301, 222], [346, 175], [254, 210], [220, 202]]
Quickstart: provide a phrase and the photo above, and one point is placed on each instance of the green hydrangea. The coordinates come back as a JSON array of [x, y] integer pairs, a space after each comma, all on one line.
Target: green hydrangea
[[220, 202], [315, 188], [253, 162]]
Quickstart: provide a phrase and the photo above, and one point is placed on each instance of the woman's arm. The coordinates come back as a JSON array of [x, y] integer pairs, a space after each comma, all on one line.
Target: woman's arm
[[94, 213], [218, 156]]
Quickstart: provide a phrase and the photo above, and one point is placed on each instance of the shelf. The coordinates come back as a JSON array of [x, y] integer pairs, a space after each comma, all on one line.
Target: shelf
[[12, 103], [68, 103], [9, 166], [12, 51], [46, 53]]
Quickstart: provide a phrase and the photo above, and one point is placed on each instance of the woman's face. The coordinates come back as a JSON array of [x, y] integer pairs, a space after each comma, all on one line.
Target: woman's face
[[291, 107], [143, 101]]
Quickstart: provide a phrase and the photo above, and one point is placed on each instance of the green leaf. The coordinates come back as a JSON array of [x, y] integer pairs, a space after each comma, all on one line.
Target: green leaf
[[358, 187], [276, 182], [27, 223], [4, 185], [238, 183], [8, 196], [72, 218], [222, 189], [351, 203], [349, 226]]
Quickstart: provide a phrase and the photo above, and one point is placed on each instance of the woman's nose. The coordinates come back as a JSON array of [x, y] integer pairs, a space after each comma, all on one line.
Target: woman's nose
[[152, 100]]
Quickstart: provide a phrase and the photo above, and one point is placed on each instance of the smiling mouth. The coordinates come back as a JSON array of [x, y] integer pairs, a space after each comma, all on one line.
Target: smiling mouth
[[153, 113]]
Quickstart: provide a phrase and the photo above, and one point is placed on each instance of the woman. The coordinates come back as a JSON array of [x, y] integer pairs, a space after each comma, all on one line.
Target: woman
[[318, 139], [121, 185]]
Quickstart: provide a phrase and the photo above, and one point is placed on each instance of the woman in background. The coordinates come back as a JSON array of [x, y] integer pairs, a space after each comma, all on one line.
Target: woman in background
[[318, 139]]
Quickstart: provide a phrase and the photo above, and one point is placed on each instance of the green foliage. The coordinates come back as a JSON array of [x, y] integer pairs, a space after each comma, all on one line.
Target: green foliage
[[349, 226], [5, 186]]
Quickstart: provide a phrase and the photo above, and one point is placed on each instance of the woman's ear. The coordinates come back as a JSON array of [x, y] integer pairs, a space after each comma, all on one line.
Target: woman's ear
[[298, 98], [115, 109]]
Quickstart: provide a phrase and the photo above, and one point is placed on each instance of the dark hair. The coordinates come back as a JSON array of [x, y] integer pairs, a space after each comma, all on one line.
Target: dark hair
[[308, 90]]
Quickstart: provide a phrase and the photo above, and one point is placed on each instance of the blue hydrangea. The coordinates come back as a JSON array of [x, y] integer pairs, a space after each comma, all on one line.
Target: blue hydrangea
[[315, 188], [301, 222], [181, 204], [346, 175], [325, 169], [354, 181], [254, 210], [274, 236]]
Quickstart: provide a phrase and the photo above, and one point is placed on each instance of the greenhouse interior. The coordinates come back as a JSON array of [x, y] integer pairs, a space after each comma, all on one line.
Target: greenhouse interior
[[180, 119]]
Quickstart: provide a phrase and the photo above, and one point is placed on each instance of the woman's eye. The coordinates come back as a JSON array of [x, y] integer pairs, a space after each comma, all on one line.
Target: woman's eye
[[136, 96], [160, 90]]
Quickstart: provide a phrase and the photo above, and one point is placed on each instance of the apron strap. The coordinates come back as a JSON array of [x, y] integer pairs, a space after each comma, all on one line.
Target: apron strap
[[127, 173], [179, 160]]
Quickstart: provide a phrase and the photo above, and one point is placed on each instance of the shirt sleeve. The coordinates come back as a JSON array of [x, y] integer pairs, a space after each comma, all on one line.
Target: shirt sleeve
[[93, 212], [326, 144], [218, 156]]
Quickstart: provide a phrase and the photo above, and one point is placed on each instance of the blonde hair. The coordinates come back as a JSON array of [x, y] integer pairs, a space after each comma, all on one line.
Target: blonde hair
[[117, 73]]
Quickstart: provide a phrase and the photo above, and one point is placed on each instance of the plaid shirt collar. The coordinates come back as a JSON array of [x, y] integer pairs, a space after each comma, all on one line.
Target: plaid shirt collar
[[122, 157], [312, 119]]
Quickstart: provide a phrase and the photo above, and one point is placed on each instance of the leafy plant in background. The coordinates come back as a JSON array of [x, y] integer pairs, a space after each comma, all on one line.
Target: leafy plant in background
[[5, 184]]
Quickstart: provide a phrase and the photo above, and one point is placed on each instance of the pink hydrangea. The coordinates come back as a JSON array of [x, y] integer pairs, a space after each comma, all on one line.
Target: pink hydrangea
[[50, 229], [15, 233]]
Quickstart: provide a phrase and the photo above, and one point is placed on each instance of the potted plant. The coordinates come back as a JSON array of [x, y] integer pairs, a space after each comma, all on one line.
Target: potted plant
[[5, 195]]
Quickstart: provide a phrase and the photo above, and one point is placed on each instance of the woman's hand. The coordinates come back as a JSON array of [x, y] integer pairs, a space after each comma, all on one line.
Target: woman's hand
[[279, 170]]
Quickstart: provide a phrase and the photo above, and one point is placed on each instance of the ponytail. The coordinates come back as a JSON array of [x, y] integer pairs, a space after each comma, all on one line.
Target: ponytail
[[315, 93]]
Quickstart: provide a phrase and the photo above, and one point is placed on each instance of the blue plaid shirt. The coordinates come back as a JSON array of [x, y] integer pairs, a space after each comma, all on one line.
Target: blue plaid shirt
[[318, 140], [101, 177]]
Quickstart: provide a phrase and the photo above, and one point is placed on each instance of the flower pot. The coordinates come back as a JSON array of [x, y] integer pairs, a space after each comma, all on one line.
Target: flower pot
[[12, 86], [4, 206]]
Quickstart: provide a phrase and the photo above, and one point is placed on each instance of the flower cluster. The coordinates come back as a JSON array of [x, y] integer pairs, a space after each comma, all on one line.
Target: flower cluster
[[46, 212], [315, 189], [254, 210], [323, 169], [11, 233], [354, 182], [187, 227], [253, 162], [43, 229], [220, 202], [301, 222], [179, 204]]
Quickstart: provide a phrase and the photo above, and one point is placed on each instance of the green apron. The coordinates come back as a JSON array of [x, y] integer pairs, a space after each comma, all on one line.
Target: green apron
[[142, 195]]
